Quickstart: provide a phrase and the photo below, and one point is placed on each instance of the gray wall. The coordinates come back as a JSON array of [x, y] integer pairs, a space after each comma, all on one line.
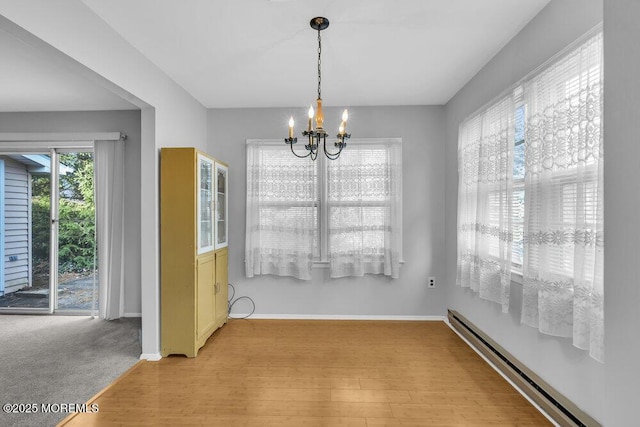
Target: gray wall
[[422, 132], [622, 204], [169, 115], [127, 122], [566, 368]]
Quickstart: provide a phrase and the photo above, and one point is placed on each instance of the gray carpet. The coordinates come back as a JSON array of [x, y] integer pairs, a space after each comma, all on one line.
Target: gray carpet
[[60, 359]]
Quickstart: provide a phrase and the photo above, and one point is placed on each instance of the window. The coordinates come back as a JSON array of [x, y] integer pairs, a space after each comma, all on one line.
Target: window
[[547, 182], [485, 150], [569, 88], [364, 209], [564, 235], [344, 212]]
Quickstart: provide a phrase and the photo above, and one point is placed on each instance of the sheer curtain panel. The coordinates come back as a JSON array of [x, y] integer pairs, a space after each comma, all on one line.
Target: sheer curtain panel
[[564, 241], [109, 188], [282, 211], [485, 190], [364, 209]]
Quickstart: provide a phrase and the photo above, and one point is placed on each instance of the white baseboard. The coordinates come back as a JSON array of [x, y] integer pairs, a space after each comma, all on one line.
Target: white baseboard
[[495, 368], [156, 356], [151, 357], [340, 317], [132, 315]]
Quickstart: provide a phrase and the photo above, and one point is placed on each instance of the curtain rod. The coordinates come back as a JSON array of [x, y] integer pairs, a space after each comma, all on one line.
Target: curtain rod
[[584, 37], [61, 136]]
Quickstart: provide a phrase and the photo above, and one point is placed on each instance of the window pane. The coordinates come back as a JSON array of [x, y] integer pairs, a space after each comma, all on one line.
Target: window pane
[[519, 124], [286, 178], [518, 149], [285, 228], [282, 211], [359, 229], [517, 224], [359, 175], [517, 207], [286, 183], [518, 161]]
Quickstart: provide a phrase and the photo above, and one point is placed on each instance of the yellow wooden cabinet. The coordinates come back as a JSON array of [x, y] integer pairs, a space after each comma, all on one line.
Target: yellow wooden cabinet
[[193, 246]]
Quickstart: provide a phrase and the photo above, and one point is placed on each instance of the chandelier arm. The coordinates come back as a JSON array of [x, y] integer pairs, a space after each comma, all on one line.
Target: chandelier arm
[[333, 157], [297, 155], [329, 154]]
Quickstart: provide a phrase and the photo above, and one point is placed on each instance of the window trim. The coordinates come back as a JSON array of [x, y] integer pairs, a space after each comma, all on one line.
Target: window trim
[[323, 204]]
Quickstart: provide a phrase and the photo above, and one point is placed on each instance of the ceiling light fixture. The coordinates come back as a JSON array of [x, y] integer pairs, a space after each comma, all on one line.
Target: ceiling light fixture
[[317, 135]]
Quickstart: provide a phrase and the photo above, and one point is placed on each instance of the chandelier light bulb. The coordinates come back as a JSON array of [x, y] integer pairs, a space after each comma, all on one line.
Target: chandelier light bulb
[[291, 127], [345, 115], [310, 118]]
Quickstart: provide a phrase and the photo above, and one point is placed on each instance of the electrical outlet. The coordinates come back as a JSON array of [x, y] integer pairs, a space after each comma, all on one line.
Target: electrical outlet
[[432, 282]]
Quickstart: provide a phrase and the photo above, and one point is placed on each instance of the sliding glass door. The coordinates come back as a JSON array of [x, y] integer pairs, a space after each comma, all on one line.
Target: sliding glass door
[[76, 231], [47, 232]]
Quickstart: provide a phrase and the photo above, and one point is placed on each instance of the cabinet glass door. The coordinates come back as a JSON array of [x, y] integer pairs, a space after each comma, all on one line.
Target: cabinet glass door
[[221, 224], [205, 204]]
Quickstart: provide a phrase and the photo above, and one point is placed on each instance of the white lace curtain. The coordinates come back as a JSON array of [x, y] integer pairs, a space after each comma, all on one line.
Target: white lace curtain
[[364, 203], [359, 213], [109, 199], [282, 212], [563, 285], [485, 168]]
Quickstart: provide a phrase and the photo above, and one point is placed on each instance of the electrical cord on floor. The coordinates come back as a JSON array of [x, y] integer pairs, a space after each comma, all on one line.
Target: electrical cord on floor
[[232, 302]]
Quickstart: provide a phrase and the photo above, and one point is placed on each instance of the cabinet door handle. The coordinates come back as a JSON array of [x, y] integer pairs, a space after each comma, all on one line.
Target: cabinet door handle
[[216, 287]]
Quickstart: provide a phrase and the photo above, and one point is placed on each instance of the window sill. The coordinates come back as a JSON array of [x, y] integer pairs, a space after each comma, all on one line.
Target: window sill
[[518, 279], [325, 264], [320, 264]]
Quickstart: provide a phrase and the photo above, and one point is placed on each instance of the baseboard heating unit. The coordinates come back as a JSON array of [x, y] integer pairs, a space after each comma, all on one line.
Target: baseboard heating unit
[[558, 407]]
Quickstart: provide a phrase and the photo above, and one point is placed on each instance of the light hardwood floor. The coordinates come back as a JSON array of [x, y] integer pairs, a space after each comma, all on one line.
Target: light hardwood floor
[[317, 373]]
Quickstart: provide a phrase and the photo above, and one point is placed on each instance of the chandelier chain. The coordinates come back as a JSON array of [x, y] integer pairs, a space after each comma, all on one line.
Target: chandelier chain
[[319, 64]]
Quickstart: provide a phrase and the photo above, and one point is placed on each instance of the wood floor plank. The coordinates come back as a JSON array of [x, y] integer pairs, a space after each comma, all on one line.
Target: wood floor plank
[[281, 394], [388, 396], [317, 373]]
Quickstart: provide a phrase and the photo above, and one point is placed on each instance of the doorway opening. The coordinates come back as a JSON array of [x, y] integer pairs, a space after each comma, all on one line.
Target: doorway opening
[[48, 259]]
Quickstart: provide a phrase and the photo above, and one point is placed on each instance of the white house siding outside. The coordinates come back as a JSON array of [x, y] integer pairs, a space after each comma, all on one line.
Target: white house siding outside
[[17, 216]]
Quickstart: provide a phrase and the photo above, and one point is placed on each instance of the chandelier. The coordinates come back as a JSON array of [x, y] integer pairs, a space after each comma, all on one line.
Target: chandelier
[[318, 135]]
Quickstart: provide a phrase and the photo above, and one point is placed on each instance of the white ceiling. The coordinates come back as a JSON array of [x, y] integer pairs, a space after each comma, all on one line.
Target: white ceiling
[[31, 82], [262, 53]]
